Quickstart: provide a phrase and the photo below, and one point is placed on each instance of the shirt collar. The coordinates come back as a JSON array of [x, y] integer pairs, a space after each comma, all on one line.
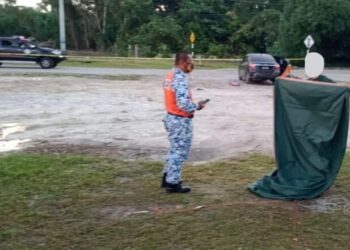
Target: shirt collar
[[179, 71]]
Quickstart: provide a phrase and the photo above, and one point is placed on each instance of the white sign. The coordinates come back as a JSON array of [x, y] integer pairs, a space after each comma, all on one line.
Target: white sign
[[309, 41]]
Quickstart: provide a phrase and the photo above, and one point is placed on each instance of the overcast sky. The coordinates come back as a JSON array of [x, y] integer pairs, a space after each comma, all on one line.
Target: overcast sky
[[29, 3]]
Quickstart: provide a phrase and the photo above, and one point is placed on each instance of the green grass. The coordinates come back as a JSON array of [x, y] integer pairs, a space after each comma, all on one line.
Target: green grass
[[89, 76], [143, 63], [82, 202]]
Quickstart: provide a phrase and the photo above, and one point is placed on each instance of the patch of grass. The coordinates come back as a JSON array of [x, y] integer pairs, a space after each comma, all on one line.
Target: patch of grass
[[90, 76], [140, 64], [81, 202]]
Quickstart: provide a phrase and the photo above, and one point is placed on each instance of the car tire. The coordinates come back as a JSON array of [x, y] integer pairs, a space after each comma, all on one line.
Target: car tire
[[46, 63]]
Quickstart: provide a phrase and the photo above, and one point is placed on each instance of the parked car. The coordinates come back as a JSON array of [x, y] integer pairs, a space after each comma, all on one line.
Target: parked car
[[258, 67], [282, 62], [17, 48]]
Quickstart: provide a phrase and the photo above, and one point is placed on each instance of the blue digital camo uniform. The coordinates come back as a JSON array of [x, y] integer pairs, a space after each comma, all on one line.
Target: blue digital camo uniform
[[179, 129]]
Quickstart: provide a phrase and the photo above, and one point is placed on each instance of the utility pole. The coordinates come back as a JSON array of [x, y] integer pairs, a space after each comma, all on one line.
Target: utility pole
[[62, 25]]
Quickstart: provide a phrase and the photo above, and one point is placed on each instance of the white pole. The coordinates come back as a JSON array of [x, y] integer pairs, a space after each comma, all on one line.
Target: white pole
[[62, 25]]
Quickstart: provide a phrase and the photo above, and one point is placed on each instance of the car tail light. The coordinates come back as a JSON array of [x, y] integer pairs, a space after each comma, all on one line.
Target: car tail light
[[252, 66]]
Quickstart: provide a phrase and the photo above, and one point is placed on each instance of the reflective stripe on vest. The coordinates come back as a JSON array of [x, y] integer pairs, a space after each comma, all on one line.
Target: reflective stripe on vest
[[170, 97]]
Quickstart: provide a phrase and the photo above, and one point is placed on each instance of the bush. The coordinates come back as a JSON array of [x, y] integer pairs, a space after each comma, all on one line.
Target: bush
[[218, 50]]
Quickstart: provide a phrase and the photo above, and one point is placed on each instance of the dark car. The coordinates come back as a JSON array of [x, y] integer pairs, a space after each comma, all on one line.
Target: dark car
[[18, 48], [258, 67]]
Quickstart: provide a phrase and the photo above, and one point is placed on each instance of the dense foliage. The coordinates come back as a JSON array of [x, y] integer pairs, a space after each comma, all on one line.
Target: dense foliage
[[223, 28]]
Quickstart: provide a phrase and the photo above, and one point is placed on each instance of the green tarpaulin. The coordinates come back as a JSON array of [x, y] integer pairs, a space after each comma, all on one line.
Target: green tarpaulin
[[311, 129]]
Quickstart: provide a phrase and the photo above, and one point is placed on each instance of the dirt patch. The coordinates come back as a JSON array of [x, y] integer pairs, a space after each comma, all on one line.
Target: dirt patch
[[78, 115], [124, 118]]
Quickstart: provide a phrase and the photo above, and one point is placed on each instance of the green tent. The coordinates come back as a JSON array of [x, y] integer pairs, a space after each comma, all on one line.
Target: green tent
[[311, 129]]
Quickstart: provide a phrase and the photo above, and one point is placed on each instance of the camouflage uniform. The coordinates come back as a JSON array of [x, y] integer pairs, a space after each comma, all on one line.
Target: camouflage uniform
[[179, 129]]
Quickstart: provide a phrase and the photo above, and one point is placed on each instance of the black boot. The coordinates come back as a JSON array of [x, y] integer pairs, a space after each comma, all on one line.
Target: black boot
[[164, 184], [177, 188]]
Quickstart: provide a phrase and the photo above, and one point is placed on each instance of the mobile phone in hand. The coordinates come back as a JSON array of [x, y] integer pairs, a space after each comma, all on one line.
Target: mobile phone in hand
[[206, 101]]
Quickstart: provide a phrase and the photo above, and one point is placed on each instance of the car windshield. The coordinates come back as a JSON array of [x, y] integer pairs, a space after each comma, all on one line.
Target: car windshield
[[26, 44], [262, 58]]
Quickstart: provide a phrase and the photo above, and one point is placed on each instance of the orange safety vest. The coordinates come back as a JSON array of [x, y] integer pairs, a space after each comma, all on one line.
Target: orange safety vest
[[170, 97]]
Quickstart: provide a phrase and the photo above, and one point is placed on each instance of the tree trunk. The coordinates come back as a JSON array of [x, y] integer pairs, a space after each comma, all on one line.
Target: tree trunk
[[86, 36], [73, 36], [104, 19]]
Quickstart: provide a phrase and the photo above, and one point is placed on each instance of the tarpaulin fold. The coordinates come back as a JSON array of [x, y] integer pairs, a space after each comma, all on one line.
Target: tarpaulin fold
[[311, 128]]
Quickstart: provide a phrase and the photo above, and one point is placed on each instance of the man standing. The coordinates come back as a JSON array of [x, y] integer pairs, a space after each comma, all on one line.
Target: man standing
[[180, 110]]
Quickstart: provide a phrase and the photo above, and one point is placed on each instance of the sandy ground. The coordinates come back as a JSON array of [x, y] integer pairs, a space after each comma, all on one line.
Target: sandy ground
[[124, 118]]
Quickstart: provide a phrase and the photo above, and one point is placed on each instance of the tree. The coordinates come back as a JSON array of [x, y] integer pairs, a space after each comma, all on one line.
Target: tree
[[160, 35], [210, 22], [131, 15], [256, 25], [327, 21], [91, 24], [222, 27], [27, 22], [260, 33]]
